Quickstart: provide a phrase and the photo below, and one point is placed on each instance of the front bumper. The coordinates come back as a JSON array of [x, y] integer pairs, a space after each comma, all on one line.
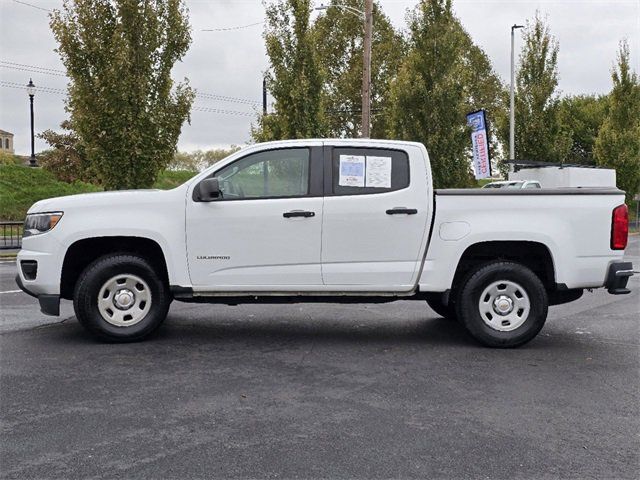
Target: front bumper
[[617, 278], [42, 280], [49, 304]]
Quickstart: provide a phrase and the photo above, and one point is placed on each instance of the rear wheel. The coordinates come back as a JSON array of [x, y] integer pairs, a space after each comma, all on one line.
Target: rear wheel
[[502, 304], [121, 298]]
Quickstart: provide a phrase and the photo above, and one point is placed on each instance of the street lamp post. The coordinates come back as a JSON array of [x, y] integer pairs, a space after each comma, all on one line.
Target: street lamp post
[[367, 18], [31, 91], [512, 121]]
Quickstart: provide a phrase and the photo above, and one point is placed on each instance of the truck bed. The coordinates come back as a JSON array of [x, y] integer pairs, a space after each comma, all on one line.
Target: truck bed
[[575, 230]]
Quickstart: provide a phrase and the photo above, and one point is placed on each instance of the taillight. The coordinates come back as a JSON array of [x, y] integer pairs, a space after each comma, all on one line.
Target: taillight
[[619, 227]]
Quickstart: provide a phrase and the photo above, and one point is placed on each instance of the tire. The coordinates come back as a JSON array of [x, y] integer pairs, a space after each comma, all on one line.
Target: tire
[[435, 303], [120, 298], [513, 307]]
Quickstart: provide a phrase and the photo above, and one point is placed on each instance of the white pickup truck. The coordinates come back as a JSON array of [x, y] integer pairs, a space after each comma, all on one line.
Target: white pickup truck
[[325, 221]]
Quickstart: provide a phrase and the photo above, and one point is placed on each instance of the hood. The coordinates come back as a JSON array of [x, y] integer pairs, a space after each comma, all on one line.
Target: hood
[[118, 198]]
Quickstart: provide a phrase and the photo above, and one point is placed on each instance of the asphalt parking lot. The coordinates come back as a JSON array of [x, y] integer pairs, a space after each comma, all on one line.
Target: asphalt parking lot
[[321, 391]]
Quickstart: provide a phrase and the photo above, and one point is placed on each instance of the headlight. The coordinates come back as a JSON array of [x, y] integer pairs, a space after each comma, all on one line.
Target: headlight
[[37, 223]]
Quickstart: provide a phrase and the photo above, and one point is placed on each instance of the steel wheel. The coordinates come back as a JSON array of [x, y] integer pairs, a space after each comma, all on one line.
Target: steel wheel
[[504, 305], [124, 300]]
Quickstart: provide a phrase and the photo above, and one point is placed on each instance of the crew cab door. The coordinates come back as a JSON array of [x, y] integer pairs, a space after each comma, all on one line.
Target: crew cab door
[[264, 232], [375, 217]]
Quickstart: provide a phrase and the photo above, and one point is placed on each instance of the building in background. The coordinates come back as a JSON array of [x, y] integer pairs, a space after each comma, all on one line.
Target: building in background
[[6, 140]]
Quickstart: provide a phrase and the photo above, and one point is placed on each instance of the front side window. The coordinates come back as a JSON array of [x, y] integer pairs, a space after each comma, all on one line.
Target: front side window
[[270, 174]]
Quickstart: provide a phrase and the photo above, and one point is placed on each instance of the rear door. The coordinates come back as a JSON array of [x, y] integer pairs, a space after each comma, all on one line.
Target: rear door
[[374, 228]]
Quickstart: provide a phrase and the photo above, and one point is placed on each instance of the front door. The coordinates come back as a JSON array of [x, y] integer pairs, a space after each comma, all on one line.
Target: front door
[[264, 233]]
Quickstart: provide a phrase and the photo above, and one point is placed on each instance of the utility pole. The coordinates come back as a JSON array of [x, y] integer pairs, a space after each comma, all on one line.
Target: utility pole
[[264, 95], [512, 118], [366, 69]]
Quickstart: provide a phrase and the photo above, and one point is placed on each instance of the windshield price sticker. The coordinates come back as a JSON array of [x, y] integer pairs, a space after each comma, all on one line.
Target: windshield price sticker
[[351, 171], [365, 171], [378, 173]]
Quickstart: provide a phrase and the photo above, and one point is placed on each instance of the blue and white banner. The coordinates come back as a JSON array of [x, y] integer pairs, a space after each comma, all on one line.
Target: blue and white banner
[[480, 141]]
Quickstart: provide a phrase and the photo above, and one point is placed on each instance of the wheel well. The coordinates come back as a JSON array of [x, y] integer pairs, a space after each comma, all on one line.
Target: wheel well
[[533, 255], [81, 253]]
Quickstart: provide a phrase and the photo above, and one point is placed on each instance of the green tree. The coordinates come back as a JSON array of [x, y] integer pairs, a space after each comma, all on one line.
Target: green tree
[[539, 133], [339, 39], [582, 116], [66, 159], [618, 142], [294, 79], [200, 159], [124, 107], [442, 77]]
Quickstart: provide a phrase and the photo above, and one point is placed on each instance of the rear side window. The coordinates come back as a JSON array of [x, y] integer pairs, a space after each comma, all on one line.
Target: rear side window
[[361, 171]]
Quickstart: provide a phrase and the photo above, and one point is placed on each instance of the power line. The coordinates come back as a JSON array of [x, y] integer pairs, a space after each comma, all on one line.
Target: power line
[[60, 91], [32, 70], [197, 108], [61, 73], [32, 6], [224, 29], [224, 98], [54, 70], [57, 91], [227, 29], [224, 112]]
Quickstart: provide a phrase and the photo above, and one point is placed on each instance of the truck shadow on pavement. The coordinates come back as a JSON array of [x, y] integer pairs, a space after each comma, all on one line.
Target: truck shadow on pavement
[[273, 331], [319, 330]]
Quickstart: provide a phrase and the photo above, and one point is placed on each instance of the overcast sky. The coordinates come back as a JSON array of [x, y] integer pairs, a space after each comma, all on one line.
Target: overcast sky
[[229, 63]]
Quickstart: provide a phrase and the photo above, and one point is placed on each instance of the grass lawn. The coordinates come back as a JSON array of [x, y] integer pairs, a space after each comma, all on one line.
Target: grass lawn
[[21, 187], [172, 179]]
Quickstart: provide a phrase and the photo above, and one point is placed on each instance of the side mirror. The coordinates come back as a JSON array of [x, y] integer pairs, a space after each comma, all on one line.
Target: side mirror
[[209, 190]]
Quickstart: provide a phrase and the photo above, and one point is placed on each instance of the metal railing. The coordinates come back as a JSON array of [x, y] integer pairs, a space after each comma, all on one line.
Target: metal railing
[[10, 235]]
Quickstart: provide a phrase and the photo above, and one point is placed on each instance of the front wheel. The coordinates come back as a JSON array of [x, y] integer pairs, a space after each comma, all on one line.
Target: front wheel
[[121, 298], [502, 304]]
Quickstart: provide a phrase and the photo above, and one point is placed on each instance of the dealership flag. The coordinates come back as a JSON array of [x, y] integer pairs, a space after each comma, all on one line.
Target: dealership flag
[[480, 141]]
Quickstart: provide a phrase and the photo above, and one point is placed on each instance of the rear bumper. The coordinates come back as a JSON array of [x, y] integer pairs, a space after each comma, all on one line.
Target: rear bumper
[[49, 304], [617, 278]]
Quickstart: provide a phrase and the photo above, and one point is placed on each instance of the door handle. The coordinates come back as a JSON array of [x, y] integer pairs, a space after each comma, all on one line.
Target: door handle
[[402, 211], [298, 213]]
